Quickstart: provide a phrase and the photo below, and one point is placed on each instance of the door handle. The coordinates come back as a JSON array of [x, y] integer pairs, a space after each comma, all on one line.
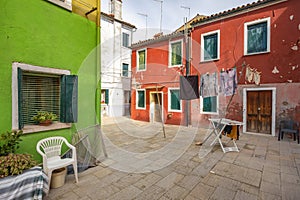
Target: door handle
[[258, 109]]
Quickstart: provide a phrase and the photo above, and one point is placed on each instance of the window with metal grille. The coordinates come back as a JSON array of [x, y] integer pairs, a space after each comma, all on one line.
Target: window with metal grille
[[46, 92], [40, 92]]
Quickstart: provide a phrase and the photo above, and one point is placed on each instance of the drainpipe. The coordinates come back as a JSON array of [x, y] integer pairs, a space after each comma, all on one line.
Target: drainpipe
[[187, 53], [98, 64]]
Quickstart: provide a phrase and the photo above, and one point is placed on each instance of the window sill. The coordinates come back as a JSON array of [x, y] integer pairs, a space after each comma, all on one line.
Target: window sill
[[175, 111], [209, 113], [257, 53], [212, 60], [38, 128]]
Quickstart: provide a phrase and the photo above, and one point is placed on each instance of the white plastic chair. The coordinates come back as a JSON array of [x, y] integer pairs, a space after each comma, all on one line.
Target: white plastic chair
[[51, 153]]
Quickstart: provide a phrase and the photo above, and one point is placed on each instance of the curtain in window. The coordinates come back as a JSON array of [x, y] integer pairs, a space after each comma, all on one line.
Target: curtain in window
[[257, 38], [142, 59], [175, 101], [211, 46], [141, 99], [176, 58]]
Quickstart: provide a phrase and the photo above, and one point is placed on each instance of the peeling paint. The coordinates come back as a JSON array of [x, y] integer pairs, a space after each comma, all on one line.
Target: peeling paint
[[290, 81], [281, 76], [275, 25], [295, 48], [275, 70], [294, 67], [291, 17], [299, 27]]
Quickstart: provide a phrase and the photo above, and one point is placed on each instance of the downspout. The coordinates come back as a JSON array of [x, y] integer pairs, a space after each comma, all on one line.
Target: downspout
[[98, 64]]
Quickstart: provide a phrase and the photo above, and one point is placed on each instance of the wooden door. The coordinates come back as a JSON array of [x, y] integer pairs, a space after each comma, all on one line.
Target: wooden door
[[158, 110], [259, 111]]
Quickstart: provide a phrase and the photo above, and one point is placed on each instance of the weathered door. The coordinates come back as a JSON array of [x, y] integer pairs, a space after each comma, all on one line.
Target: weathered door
[[259, 111]]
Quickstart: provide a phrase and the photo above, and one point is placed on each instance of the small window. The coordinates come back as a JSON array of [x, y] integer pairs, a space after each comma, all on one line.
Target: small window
[[125, 40], [40, 90], [257, 37], [141, 60], [140, 99], [105, 96], [209, 105], [67, 4], [125, 70], [175, 53], [210, 46], [174, 100]]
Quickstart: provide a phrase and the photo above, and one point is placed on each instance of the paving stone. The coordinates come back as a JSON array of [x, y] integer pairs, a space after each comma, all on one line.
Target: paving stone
[[170, 180], [102, 172], [272, 188], [104, 192], [289, 170], [219, 181], [287, 178], [268, 196], [147, 181], [271, 177], [241, 195], [176, 192], [189, 181], [290, 191], [129, 192], [223, 193], [249, 189], [202, 191], [153, 192]]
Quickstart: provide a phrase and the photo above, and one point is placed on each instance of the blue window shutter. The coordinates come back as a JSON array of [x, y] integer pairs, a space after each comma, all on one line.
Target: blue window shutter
[[20, 106], [69, 99]]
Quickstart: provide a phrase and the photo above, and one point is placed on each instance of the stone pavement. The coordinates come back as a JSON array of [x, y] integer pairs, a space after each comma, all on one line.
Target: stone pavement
[[142, 164]]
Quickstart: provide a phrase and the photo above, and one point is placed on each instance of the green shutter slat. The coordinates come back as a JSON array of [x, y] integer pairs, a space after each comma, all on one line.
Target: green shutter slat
[[69, 99], [20, 110], [107, 96]]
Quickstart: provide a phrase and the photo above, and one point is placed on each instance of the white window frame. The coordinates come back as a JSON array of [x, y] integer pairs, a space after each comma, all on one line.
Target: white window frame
[[218, 45], [137, 100], [211, 113], [137, 60], [170, 53], [15, 109], [268, 20], [169, 101], [67, 4]]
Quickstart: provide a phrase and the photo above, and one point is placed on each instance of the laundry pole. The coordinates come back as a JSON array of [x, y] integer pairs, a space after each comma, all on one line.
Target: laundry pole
[[160, 114]]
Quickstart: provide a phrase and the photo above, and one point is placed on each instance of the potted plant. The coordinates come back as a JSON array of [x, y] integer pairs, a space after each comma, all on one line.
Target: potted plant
[[10, 162], [44, 118]]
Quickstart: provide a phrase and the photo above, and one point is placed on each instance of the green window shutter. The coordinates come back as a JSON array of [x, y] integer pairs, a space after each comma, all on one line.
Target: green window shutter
[[69, 99], [210, 104], [211, 46], [175, 101], [107, 96], [20, 106], [141, 99], [257, 38]]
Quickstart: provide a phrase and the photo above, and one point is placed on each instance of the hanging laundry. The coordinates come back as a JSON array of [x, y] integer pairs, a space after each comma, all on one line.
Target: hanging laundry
[[228, 82], [209, 85], [256, 77], [189, 87], [253, 76]]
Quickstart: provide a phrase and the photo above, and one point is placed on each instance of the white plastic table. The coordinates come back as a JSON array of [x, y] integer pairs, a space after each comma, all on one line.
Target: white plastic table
[[218, 127]]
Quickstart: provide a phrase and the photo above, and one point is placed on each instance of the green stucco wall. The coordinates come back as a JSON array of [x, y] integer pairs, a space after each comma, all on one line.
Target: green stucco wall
[[39, 33]]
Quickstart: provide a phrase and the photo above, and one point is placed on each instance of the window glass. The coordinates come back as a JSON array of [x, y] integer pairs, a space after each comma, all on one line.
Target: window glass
[[141, 99], [209, 104], [176, 56], [257, 38], [211, 46], [142, 60], [175, 100], [125, 70], [125, 40]]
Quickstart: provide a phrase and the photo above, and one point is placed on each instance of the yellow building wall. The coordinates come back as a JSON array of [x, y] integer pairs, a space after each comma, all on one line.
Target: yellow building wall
[[83, 7]]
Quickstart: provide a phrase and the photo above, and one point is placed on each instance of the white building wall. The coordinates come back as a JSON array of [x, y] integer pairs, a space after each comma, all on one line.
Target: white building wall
[[113, 55]]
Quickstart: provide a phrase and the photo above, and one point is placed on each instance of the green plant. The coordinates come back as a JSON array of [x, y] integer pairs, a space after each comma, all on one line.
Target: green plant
[[9, 142], [42, 116], [14, 164]]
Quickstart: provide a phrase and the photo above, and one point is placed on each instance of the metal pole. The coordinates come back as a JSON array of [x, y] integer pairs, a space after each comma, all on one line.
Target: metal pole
[[185, 7], [161, 2], [146, 16]]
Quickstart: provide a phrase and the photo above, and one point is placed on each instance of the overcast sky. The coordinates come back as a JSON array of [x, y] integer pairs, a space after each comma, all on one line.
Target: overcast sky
[[172, 12]]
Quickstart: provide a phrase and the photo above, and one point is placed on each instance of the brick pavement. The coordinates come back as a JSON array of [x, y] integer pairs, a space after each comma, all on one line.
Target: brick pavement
[[142, 164]]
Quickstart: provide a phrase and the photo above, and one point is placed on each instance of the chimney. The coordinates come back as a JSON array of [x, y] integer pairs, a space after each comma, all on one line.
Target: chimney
[[116, 8]]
